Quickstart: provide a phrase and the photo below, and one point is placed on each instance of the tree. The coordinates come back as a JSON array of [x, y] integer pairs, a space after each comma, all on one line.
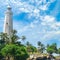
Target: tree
[[23, 38], [39, 43], [31, 48], [3, 38], [52, 48], [15, 51], [59, 51], [12, 48], [2, 42], [1, 56], [28, 43], [14, 37], [41, 47]]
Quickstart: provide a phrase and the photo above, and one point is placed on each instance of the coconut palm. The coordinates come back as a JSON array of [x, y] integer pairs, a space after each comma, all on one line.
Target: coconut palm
[[27, 43], [23, 38], [12, 49], [14, 37], [41, 47], [9, 39], [39, 43], [4, 38]]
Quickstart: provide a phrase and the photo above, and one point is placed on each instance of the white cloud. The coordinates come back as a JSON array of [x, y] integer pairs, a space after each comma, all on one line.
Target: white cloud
[[1, 22], [25, 6], [48, 18], [43, 27], [44, 30]]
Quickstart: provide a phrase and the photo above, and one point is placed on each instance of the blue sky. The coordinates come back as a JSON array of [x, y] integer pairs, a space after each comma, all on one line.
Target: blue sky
[[38, 20]]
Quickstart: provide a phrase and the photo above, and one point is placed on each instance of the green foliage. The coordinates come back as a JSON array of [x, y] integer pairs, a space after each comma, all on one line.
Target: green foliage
[[15, 51], [3, 38], [59, 51], [23, 38], [52, 48], [39, 43], [1, 56], [9, 47], [31, 48], [41, 47], [27, 43], [14, 37]]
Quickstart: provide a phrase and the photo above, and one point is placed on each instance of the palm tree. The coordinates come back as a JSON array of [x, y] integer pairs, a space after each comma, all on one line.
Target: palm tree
[[14, 37], [3, 41], [41, 47], [39, 44], [23, 38], [4, 38], [27, 43]]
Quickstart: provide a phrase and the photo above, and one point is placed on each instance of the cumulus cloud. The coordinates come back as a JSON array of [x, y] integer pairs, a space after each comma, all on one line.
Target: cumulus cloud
[[43, 28], [27, 6], [48, 28]]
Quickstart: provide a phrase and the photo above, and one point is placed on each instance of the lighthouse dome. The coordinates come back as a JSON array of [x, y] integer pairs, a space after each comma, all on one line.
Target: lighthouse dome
[[9, 7]]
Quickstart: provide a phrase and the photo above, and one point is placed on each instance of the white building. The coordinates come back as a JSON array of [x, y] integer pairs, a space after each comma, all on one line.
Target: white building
[[8, 22]]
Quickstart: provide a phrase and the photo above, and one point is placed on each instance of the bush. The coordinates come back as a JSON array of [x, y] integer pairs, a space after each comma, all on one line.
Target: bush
[[18, 52]]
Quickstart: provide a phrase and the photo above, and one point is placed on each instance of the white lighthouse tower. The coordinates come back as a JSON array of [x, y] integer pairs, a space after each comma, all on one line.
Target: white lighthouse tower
[[8, 22]]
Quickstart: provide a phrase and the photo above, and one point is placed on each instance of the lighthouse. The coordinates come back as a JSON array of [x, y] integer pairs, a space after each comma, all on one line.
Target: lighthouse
[[8, 22]]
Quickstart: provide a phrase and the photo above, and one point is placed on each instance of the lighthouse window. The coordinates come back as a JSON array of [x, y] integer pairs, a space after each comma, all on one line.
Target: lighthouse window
[[6, 23]]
